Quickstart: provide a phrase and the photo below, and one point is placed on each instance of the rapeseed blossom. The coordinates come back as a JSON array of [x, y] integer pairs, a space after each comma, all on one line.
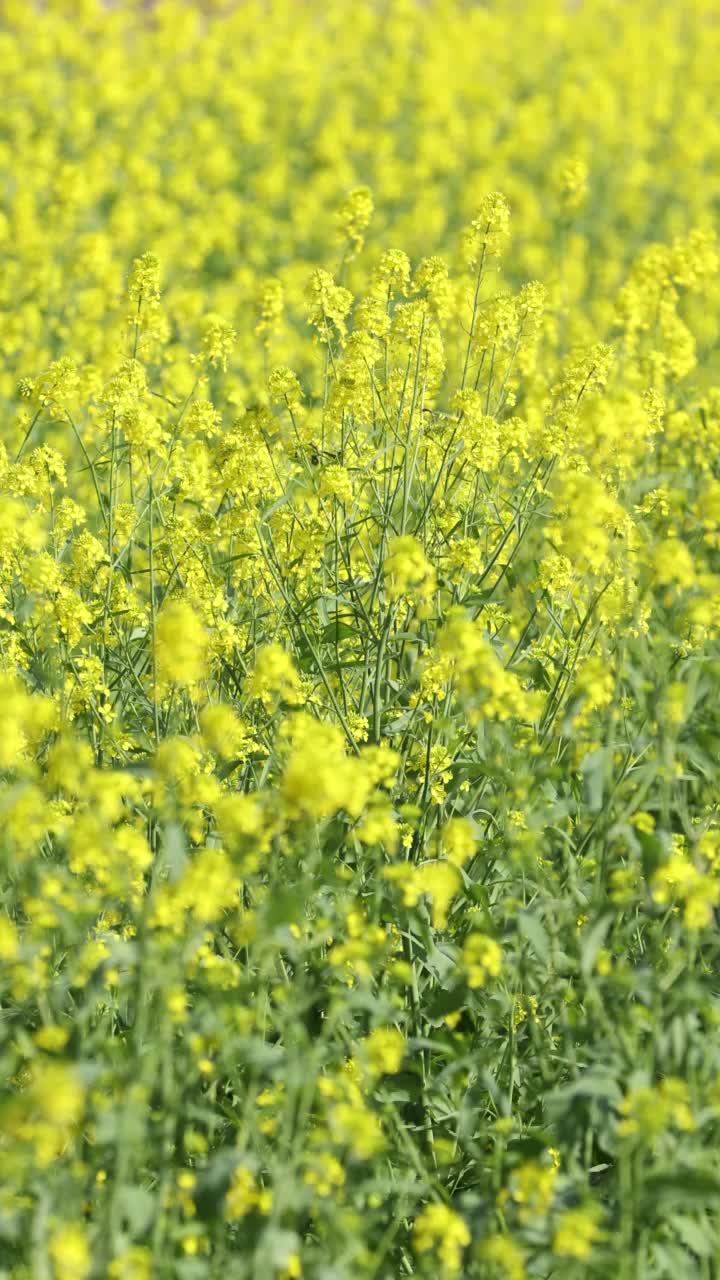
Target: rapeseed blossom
[[180, 644], [445, 1234], [359, 639], [576, 1232]]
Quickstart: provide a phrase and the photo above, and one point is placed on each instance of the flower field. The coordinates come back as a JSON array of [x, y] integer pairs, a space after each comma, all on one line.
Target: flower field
[[359, 640]]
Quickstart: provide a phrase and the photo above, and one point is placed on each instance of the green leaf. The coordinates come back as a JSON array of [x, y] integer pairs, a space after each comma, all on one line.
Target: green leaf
[[174, 850], [284, 906], [592, 1084], [696, 1234], [682, 1186], [595, 770], [213, 1182], [444, 1002], [592, 942], [535, 933], [138, 1207], [338, 631]]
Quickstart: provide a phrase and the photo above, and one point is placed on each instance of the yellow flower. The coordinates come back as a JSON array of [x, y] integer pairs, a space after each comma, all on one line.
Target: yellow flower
[[531, 1188], [9, 944], [458, 840], [328, 304], [292, 1269], [679, 880], [51, 1038], [353, 218], [573, 184], [274, 678], [383, 1051], [181, 644], [218, 340], [225, 732], [132, 1264], [356, 1127], [70, 1252], [505, 1255], [319, 778], [144, 280], [325, 1175], [576, 1232], [245, 1195], [488, 232], [440, 1231], [648, 1111], [407, 569], [482, 958], [284, 388], [441, 882], [270, 305]]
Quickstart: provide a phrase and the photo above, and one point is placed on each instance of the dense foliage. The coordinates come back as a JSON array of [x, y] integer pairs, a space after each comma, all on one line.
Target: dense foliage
[[359, 640]]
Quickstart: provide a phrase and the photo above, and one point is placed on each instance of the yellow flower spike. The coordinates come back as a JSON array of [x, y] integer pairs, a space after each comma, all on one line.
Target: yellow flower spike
[[577, 1232], [270, 305], [383, 1051], [440, 1231], [482, 958], [506, 1255], [458, 841], [218, 341], [274, 677], [441, 882], [407, 569], [359, 580], [133, 1263], [328, 305], [489, 231], [353, 218], [181, 644], [69, 1251]]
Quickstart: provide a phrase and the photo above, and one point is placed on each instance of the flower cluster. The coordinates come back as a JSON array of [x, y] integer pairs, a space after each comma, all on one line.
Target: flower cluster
[[359, 640]]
